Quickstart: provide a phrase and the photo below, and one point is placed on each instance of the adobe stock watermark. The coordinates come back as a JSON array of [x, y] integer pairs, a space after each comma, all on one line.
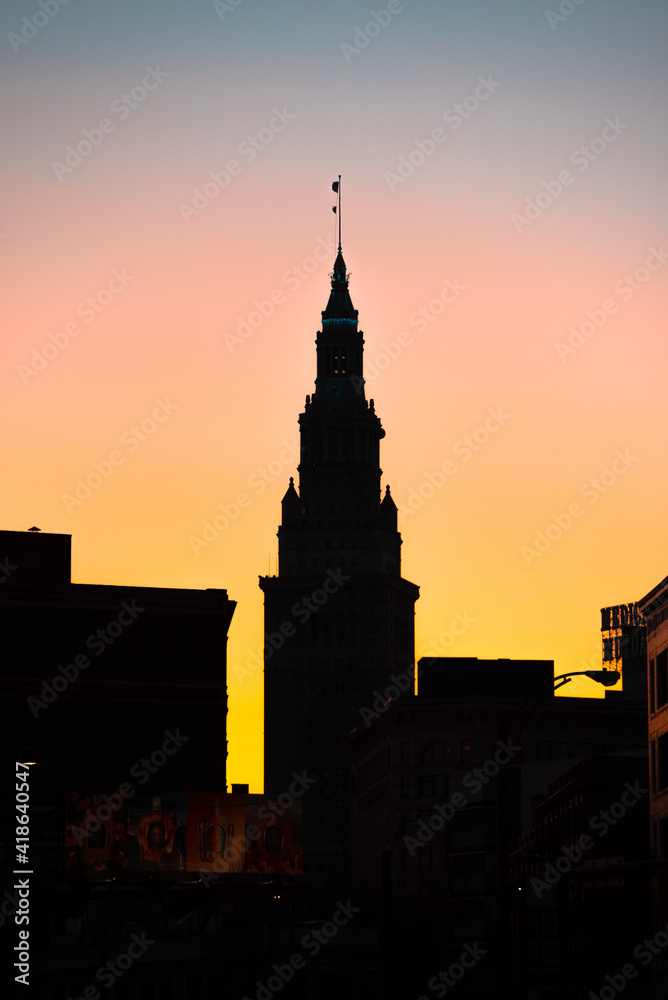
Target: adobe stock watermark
[[122, 107], [465, 449], [250, 148], [97, 642], [258, 482], [592, 491], [301, 611], [311, 943], [445, 980], [108, 973], [88, 309], [131, 439], [582, 157], [474, 780], [399, 684], [280, 805], [9, 906], [460, 624], [594, 661], [31, 26], [223, 7], [625, 288], [564, 11], [378, 19], [6, 569], [600, 824], [264, 308], [454, 116], [645, 952], [420, 319], [94, 819], [269, 813]]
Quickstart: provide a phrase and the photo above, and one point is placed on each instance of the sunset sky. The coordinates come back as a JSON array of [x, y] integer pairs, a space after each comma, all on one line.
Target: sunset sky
[[167, 238]]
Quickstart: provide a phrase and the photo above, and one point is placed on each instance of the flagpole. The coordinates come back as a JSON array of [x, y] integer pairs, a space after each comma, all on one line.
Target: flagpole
[[339, 212], [336, 186]]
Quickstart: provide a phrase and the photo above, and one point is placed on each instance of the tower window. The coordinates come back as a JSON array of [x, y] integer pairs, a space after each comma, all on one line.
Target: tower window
[[340, 364]]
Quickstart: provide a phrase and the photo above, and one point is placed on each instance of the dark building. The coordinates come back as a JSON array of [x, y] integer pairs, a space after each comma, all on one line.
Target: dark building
[[654, 608], [117, 693], [98, 675], [581, 893], [339, 617], [443, 784]]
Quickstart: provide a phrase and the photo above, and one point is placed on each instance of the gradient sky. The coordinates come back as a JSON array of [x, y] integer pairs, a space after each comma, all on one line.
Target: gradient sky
[[512, 92]]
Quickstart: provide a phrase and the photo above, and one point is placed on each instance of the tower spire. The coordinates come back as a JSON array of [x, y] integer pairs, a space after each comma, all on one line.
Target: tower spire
[[336, 188], [340, 305], [334, 523]]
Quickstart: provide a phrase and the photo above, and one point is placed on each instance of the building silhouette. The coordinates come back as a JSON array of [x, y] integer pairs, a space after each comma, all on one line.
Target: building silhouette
[[444, 789], [441, 808], [115, 692], [654, 609], [339, 617], [581, 891], [98, 673]]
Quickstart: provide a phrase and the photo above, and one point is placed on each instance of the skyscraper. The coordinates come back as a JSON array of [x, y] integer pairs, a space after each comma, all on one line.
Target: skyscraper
[[339, 617]]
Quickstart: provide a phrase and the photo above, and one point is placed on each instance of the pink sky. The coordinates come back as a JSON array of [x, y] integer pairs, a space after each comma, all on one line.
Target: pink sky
[[464, 307]]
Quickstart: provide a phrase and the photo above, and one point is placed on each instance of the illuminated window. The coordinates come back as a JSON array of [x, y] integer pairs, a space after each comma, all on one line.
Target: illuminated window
[[340, 363]]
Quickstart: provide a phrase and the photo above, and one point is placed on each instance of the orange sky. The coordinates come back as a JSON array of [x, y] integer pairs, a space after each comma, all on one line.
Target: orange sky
[[209, 313]]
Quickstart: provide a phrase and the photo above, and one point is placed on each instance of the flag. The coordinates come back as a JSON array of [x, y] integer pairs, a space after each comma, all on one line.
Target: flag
[[335, 187], [334, 209]]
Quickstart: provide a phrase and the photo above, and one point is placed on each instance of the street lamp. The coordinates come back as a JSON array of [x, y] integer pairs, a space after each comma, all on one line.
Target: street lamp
[[29, 756], [608, 678]]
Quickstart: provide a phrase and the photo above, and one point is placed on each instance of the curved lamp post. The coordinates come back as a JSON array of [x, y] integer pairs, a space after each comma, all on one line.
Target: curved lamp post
[[608, 678]]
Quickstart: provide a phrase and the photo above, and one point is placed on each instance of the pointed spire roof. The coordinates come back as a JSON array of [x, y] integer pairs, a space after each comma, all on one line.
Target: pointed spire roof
[[388, 510], [340, 304], [387, 502], [291, 495]]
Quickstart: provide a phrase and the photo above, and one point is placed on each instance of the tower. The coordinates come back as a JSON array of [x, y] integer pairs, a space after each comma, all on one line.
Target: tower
[[339, 618]]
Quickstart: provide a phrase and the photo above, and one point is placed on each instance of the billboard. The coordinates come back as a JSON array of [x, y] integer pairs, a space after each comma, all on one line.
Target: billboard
[[179, 832], [624, 633]]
